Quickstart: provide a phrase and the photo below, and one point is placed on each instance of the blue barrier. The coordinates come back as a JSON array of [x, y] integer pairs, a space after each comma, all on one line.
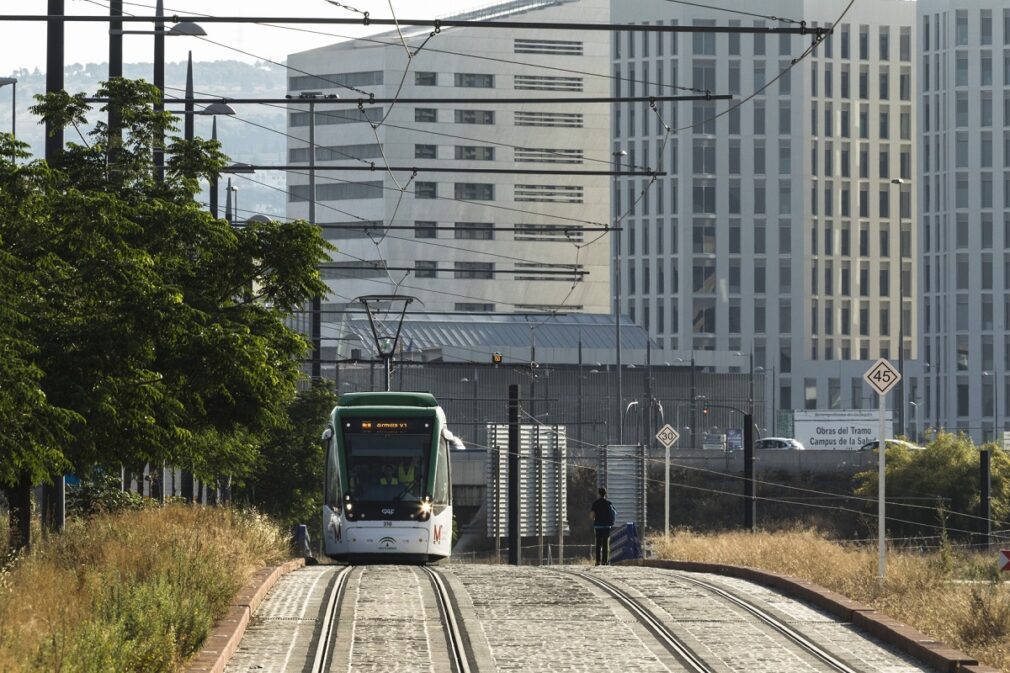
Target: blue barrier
[[300, 541], [624, 543]]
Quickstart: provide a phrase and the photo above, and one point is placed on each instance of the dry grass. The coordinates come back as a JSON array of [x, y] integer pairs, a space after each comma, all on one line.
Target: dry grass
[[925, 590], [135, 591]]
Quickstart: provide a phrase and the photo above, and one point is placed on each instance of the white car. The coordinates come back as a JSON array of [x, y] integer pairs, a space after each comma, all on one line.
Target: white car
[[778, 444], [872, 446]]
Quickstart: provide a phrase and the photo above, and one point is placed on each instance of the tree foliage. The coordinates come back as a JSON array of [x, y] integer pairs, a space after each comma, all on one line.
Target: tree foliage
[[939, 487], [135, 327], [288, 478]]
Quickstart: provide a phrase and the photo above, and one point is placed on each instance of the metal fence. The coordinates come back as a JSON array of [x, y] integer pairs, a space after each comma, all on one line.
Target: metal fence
[[580, 397]]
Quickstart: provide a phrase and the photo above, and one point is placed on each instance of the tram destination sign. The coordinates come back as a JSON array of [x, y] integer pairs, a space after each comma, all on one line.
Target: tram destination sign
[[373, 425], [882, 376]]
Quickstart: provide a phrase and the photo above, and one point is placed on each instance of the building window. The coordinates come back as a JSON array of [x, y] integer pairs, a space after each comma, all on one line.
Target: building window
[[425, 229], [474, 80], [474, 270], [480, 231], [425, 269], [474, 116], [704, 43], [425, 79], [425, 114], [474, 191], [425, 151], [474, 153], [548, 193], [961, 28], [425, 190], [472, 307], [572, 120]]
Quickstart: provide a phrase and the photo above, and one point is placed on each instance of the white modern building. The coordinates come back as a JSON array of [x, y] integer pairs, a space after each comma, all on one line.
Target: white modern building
[[779, 229], [963, 62], [457, 240]]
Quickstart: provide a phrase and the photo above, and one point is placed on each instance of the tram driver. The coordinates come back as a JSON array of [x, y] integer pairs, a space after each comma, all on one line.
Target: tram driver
[[388, 477]]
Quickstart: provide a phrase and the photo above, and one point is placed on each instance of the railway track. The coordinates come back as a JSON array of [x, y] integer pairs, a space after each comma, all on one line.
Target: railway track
[[455, 641], [327, 630], [337, 601], [806, 644], [684, 654]]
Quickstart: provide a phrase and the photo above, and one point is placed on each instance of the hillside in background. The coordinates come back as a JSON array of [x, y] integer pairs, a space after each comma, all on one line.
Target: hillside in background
[[254, 135]]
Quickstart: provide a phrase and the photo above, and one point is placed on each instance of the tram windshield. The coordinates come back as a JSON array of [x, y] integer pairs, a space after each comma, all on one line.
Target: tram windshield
[[386, 458]]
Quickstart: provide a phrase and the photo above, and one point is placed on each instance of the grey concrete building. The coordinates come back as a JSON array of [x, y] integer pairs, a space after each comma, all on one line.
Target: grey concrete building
[[779, 229], [963, 64], [459, 241]]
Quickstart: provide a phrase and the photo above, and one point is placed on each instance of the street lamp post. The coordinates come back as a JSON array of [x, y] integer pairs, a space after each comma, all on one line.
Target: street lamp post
[[13, 81], [159, 33], [618, 271]]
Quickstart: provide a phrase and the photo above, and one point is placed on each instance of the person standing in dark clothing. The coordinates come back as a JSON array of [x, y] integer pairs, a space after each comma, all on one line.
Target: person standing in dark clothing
[[604, 516]]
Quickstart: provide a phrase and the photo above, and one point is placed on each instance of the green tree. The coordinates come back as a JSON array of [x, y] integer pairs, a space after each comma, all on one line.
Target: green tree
[[287, 482], [157, 332], [34, 431], [941, 483]]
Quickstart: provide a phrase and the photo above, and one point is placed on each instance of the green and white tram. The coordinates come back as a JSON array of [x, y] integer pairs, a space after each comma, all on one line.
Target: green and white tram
[[388, 490]]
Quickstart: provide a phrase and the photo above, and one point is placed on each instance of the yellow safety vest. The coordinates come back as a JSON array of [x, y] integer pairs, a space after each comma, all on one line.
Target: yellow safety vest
[[406, 475], [391, 481]]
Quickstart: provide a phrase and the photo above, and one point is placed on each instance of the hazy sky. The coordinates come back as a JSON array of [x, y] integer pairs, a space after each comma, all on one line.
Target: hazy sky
[[23, 43]]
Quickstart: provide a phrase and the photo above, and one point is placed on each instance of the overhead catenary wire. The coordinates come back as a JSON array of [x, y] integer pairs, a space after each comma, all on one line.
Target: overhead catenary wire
[[336, 115], [819, 37], [730, 475], [439, 24], [374, 39], [737, 11], [775, 499], [420, 241]]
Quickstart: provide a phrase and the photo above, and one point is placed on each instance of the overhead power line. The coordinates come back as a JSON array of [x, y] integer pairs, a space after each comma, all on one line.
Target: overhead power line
[[374, 100], [436, 24], [372, 39], [437, 169]]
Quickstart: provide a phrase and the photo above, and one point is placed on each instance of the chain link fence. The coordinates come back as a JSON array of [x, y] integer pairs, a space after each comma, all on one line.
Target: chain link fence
[[581, 397]]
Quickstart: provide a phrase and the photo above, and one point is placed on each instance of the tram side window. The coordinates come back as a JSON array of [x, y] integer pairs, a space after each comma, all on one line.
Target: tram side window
[[333, 492], [441, 494]]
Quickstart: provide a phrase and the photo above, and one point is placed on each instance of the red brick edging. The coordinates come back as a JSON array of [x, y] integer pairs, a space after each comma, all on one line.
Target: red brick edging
[[900, 636], [227, 632]]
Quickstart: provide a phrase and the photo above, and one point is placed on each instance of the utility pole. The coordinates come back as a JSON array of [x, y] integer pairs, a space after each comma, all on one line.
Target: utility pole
[[515, 556]]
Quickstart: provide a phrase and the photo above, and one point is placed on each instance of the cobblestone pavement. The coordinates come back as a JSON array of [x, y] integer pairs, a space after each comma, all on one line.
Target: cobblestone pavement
[[541, 619], [725, 632], [389, 623], [281, 636]]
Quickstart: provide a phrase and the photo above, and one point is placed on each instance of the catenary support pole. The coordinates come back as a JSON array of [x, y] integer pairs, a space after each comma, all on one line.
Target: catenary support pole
[[515, 556], [750, 501], [985, 500]]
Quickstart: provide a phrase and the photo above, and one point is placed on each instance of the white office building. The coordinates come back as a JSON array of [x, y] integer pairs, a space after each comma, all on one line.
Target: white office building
[[777, 229], [963, 103], [461, 241]]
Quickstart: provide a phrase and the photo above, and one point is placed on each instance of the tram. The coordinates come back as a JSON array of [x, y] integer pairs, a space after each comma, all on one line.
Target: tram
[[388, 486]]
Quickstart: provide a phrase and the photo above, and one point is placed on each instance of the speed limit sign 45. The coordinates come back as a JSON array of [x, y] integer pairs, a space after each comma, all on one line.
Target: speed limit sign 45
[[882, 376]]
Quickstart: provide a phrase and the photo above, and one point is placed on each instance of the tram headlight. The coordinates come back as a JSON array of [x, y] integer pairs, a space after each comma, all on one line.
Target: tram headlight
[[425, 510], [348, 507]]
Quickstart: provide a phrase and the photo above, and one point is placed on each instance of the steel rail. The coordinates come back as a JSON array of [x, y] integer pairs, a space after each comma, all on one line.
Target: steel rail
[[667, 638], [453, 635], [320, 663], [777, 624]]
